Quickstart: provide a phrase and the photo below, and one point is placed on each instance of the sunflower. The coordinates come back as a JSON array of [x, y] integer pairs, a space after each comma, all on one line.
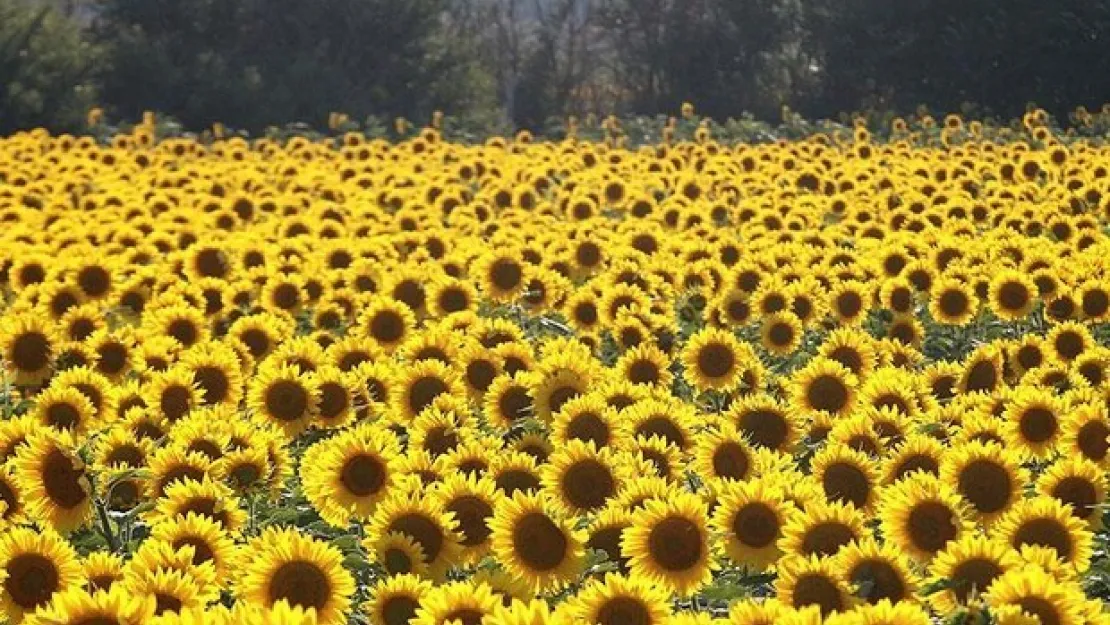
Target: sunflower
[[921, 515], [420, 384], [1034, 422], [559, 382], [37, 566], [533, 612], [667, 418], [501, 275], [172, 591], [28, 345], [472, 500], [1048, 522], [76, 606], [823, 385], [667, 543], [65, 409], [206, 497], [422, 520], [853, 349], [655, 454], [646, 364], [723, 454], [822, 528], [53, 481], [171, 395], [764, 422], [457, 602], [450, 295], [846, 475], [394, 600], [305, 572], [982, 370], [587, 419], [620, 600], [1087, 433], [969, 566], [259, 333], [210, 540], [1036, 593], [398, 554], [479, 369], [509, 400], [101, 570], [952, 302], [345, 476], [536, 543], [752, 516], [1012, 294], [713, 360], [583, 310], [878, 572], [581, 478], [849, 302], [182, 323], [812, 581], [281, 395], [986, 475], [115, 353], [389, 322], [337, 401], [781, 333]]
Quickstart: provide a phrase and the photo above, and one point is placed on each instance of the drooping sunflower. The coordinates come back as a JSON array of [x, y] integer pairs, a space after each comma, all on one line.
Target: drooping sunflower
[[752, 516], [668, 543], [713, 360], [345, 476], [37, 566], [822, 528], [395, 600], [619, 600], [28, 344], [921, 515], [301, 570], [535, 542], [1047, 522], [54, 481]]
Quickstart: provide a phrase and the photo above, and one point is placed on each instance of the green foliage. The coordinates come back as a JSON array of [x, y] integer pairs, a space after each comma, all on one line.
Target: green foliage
[[256, 63], [44, 68]]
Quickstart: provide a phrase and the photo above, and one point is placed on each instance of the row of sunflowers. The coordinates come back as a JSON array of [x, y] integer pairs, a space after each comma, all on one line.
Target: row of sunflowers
[[828, 380]]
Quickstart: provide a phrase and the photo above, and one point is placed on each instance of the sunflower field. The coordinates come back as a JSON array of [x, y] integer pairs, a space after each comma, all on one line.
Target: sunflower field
[[843, 378]]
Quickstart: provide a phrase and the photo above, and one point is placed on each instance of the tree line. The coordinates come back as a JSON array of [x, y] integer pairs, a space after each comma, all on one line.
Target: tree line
[[521, 63]]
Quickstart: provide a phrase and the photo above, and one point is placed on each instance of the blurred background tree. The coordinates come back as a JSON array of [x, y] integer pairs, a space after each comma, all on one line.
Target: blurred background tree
[[45, 68], [255, 63]]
